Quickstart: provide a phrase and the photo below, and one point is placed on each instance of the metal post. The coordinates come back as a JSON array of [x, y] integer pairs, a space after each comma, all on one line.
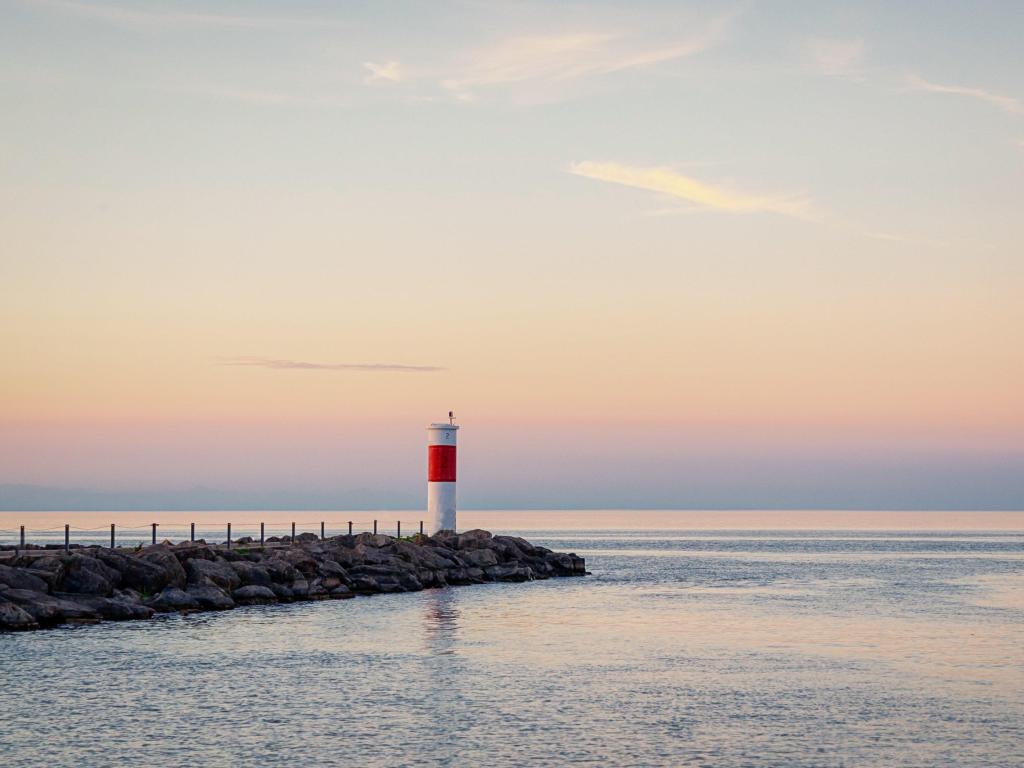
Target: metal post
[[111, 535], [349, 527], [421, 527], [193, 533], [321, 530], [229, 535], [399, 530], [23, 537], [374, 527], [293, 533], [67, 537], [261, 534], [154, 532]]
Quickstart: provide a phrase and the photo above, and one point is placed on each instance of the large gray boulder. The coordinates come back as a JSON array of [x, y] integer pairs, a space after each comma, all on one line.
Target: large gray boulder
[[438, 558], [254, 594], [298, 557], [410, 582], [144, 577], [509, 572], [458, 575], [435, 558], [329, 582], [173, 599], [218, 573], [479, 558], [50, 610], [89, 576], [282, 592], [332, 568], [251, 573], [49, 568], [22, 578], [281, 571], [388, 584], [210, 598], [113, 608], [346, 557], [563, 564], [365, 585], [188, 550], [380, 570], [363, 554], [317, 591], [372, 539], [444, 539], [474, 539], [162, 556], [14, 618], [521, 545]]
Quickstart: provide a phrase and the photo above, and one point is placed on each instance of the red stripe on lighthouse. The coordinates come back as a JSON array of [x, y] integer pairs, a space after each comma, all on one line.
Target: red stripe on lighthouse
[[441, 463]]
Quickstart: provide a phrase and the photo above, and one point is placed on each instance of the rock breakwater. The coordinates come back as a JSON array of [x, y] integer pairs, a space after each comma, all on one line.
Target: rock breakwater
[[45, 587]]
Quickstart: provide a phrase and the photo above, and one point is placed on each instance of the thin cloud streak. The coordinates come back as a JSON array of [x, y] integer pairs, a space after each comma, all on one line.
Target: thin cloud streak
[[673, 184], [547, 60], [389, 72], [1008, 104], [838, 58], [300, 365], [566, 57]]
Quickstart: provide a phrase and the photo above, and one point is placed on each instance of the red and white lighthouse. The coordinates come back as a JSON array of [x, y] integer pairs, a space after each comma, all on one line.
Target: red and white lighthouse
[[441, 475]]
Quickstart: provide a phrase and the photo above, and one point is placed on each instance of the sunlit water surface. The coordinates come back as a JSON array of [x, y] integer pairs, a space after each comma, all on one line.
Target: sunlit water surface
[[728, 647]]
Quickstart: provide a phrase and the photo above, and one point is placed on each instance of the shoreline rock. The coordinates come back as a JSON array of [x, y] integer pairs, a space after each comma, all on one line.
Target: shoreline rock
[[43, 587]]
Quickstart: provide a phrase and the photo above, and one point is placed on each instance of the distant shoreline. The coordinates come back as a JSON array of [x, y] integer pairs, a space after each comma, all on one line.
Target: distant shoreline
[[134, 526]]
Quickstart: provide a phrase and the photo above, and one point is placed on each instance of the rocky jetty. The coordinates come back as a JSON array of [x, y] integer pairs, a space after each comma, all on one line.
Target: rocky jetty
[[47, 587]]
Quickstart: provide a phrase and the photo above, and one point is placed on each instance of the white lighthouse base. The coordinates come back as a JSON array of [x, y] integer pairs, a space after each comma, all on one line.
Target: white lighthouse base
[[441, 506]]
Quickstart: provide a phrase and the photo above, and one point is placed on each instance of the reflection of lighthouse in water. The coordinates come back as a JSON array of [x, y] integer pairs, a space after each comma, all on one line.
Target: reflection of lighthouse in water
[[442, 670], [441, 620], [441, 475]]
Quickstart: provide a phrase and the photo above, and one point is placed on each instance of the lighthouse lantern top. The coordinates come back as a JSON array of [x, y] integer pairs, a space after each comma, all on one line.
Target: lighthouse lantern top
[[441, 425]]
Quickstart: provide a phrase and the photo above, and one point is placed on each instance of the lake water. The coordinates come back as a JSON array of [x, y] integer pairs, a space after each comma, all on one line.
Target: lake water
[[718, 639]]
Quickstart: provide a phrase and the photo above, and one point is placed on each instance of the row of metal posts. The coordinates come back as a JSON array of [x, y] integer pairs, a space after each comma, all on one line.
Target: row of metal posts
[[192, 533]]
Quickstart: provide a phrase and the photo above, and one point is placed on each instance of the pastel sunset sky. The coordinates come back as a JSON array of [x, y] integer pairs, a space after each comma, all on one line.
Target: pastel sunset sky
[[748, 254]]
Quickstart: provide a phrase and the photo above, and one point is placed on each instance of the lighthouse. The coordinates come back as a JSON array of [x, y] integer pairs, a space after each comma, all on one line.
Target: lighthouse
[[441, 475]]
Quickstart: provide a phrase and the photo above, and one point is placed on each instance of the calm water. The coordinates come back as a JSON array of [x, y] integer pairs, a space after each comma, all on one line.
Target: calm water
[[689, 645]]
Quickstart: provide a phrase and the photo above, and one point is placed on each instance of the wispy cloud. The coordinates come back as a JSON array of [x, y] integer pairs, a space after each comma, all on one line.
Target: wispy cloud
[[300, 365], [546, 63], [1007, 104], [156, 17], [838, 58], [557, 58], [390, 72], [668, 182]]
